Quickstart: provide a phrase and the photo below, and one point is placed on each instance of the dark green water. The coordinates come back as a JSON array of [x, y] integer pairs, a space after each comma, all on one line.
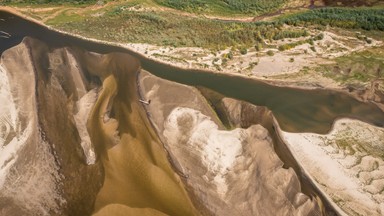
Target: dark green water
[[296, 110]]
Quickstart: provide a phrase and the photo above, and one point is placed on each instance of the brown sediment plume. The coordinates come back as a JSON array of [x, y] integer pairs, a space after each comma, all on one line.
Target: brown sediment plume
[[138, 176], [131, 175]]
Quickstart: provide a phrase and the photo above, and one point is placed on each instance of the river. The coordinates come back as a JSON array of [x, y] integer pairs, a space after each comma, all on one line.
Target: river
[[296, 110]]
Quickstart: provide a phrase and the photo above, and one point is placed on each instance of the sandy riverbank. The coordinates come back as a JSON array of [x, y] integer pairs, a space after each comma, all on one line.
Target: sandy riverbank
[[346, 164]]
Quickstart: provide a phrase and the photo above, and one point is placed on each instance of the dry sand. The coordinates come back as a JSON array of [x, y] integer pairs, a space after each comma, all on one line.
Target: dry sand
[[347, 164]]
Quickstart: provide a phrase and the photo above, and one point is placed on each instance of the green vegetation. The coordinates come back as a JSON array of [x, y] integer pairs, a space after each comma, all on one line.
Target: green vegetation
[[310, 41], [140, 21], [357, 67], [225, 7], [243, 51], [258, 47], [351, 18], [290, 34], [120, 24]]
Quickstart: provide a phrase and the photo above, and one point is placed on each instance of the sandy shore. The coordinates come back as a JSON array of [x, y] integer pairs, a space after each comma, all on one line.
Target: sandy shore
[[346, 164]]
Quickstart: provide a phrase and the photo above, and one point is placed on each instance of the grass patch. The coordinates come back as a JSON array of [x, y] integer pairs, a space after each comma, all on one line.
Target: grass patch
[[67, 17]]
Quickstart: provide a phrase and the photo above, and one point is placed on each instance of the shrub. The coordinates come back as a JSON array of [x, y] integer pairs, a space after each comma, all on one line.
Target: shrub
[[319, 37], [230, 55], [258, 47], [313, 48], [243, 51], [270, 53]]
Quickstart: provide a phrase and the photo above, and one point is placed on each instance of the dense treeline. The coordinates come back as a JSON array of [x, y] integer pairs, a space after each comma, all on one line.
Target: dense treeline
[[290, 34], [253, 6], [224, 6], [364, 18]]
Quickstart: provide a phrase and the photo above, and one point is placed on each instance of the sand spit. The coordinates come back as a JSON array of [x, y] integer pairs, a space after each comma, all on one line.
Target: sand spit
[[347, 164], [84, 107], [29, 174], [233, 172], [46, 158]]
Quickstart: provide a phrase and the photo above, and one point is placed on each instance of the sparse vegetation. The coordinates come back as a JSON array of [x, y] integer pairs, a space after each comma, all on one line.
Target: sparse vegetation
[[290, 34], [357, 67]]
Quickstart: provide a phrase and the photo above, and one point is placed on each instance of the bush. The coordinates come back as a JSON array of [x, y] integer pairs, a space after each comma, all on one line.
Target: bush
[[270, 53], [313, 48], [243, 51], [258, 47], [319, 37]]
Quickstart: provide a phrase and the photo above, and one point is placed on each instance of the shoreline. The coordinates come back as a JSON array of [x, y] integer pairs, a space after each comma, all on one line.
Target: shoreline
[[326, 158], [269, 81]]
